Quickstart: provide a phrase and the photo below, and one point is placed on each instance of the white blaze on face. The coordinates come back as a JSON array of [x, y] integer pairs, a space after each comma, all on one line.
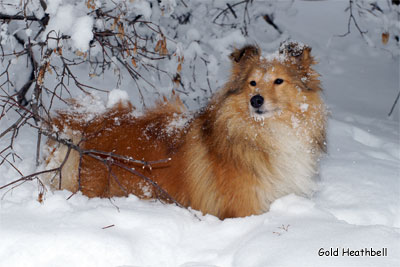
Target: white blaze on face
[[267, 77], [257, 75]]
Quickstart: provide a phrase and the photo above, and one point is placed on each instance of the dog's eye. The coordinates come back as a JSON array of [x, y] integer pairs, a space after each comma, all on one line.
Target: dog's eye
[[278, 81], [253, 83]]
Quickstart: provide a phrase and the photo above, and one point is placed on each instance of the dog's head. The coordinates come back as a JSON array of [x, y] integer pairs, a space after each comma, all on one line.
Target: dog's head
[[272, 86]]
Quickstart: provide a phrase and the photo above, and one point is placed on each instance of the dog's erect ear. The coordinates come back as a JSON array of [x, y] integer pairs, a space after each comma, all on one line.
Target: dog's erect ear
[[300, 53], [245, 53]]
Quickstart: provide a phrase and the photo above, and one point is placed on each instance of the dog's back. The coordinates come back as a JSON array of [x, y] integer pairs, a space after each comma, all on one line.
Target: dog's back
[[113, 149]]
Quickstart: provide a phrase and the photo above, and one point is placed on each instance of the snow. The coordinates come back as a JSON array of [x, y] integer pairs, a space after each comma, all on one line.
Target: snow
[[82, 232], [82, 33], [178, 123], [28, 32], [91, 105], [304, 107], [3, 33], [115, 96], [356, 205], [224, 44], [68, 20], [274, 56], [142, 7], [168, 6], [52, 6], [61, 22], [193, 34]]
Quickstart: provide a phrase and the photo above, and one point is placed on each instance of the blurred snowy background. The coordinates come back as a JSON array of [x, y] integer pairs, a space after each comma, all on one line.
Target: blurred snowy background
[[54, 50]]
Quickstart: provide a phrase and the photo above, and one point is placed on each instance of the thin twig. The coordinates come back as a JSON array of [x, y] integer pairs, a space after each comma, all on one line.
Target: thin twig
[[352, 18], [394, 104]]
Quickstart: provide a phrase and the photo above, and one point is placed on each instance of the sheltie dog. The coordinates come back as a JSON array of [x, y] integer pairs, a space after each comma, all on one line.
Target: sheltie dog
[[258, 139]]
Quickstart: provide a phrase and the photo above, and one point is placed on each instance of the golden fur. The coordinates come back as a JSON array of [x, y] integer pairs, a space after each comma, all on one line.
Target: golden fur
[[228, 160]]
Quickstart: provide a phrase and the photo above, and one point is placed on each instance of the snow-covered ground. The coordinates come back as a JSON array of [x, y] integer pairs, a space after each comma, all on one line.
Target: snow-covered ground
[[356, 206]]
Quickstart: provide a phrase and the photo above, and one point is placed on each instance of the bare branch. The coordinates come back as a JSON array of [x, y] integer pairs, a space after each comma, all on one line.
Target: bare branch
[[352, 19], [394, 104]]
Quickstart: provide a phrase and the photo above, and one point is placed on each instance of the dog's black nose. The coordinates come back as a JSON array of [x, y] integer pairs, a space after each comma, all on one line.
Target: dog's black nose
[[257, 101]]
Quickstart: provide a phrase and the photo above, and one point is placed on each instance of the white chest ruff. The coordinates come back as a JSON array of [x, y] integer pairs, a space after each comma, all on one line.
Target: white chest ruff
[[292, 167]]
